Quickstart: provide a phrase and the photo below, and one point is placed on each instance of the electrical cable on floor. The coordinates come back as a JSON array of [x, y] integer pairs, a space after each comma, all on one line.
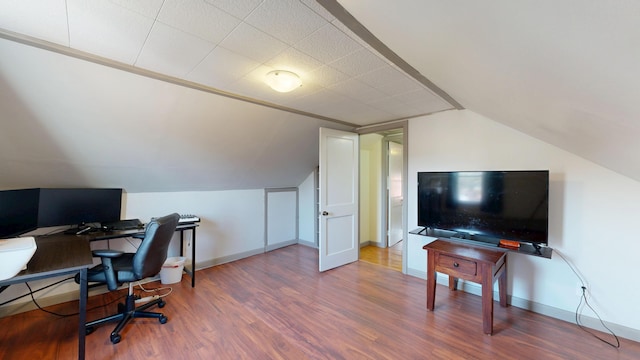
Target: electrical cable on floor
[[578, 311], [46, 287], [155, 290], [582, 304], [33, 299]]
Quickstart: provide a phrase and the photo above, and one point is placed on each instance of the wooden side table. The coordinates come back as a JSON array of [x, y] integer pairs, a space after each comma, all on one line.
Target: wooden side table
[[472, 263]]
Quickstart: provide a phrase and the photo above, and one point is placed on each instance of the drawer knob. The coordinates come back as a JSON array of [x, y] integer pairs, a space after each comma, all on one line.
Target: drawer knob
[[455, 264]]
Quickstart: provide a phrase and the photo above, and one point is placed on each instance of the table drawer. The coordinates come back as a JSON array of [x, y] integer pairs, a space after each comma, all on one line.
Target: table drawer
[[455, 266]]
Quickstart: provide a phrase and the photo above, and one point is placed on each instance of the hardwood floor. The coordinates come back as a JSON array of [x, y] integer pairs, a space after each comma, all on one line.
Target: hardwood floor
[[278, 306], [388, 257]]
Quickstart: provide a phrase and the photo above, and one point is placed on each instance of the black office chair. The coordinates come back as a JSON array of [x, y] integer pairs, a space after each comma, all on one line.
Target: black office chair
[[119, 267]]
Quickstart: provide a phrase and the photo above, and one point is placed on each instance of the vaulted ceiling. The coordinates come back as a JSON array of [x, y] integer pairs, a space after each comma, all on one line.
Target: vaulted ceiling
[[169, 95]]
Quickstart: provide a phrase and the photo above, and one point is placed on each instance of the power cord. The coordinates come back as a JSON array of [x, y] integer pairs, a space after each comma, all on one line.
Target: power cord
[[155, 291], [583, 302], [33, 299], [35, 302], [46, 287]]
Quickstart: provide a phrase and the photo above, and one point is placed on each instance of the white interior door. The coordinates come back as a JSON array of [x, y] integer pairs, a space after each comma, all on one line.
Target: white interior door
[[395, 193], [338, 193]]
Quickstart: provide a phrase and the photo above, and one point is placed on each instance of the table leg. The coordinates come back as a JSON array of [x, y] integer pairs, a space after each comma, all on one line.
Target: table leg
[[502, 284], [82, 316], [431, 280], [487, 299], [453, 282]]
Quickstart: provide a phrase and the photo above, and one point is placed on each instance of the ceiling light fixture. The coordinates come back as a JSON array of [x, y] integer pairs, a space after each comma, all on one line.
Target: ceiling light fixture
[[283, 81]]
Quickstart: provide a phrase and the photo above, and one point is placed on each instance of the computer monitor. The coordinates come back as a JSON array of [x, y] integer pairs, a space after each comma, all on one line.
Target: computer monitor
[[78, 206], [18, 212]]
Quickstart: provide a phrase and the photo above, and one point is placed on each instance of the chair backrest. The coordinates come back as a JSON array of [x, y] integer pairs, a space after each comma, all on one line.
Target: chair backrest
[[152, 252]]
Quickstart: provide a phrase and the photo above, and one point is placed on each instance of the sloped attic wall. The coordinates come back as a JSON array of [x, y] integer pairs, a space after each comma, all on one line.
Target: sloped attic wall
[[72, 123], [565, 72]]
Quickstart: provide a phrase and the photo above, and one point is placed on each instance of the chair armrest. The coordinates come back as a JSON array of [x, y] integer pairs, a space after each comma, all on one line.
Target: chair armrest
[[105, 256], [108, 253]]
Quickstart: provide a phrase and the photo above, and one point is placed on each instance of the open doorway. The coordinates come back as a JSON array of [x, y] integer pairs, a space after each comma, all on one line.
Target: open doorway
[[382, 189]]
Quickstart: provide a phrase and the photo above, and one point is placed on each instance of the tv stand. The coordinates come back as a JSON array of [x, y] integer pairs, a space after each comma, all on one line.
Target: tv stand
[[525, 248], [476, 264]]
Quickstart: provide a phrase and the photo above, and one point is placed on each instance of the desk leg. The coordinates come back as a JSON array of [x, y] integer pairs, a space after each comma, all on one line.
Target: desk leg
[[82, 316], [431, 280], [193, 253], [487, 299], [193, 257]]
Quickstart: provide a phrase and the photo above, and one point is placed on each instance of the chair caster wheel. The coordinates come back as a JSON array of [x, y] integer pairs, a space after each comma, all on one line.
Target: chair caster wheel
[[161, 304], [88, 330], [115, 338], [163, 320]]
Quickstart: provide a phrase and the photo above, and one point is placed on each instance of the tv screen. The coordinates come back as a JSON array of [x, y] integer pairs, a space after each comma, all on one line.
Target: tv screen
[[18, 212], [512, 205], [78, 206]]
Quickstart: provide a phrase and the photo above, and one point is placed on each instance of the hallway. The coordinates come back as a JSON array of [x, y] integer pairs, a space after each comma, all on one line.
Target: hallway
[[388, 257]]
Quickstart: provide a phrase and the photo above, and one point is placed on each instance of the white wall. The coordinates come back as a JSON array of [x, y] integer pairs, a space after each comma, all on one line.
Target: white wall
[[592, 212], [232, 222], [306, 210], [370, 188], [282, 217]]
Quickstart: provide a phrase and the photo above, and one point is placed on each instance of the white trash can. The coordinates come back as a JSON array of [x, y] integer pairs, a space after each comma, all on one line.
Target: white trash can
[[171, 271]]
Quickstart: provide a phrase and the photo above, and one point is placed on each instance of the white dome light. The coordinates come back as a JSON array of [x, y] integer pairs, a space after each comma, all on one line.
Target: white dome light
[[283, 81]]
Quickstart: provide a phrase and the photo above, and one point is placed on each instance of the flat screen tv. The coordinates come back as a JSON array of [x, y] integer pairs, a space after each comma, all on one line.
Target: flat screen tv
[[18, 212], [486, 205], [78, 206]]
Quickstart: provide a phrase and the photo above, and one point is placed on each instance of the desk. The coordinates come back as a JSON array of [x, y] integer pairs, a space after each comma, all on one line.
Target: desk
[[472, 263], [116, 234], [58, 255]]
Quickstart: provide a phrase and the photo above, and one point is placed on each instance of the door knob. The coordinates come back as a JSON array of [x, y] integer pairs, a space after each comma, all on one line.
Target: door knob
[[324, 213]]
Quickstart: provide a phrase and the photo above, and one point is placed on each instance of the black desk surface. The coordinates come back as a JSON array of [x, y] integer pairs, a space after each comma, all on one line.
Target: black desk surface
[[55, 255], [114, 234]]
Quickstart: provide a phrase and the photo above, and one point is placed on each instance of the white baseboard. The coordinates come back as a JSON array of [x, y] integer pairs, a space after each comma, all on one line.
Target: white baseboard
[[542, 309]]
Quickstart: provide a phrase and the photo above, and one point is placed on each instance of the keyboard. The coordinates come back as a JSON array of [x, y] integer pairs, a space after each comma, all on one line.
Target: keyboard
[[130, 224], [188, 219]]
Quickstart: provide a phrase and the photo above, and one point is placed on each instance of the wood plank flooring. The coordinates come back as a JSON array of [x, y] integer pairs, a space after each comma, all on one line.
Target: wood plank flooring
[[388, 257], [278, 306]]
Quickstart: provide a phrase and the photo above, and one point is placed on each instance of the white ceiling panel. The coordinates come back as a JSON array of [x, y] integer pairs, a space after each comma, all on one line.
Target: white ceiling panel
[[42, 19], [273, 17], [390, 81], [171, 51], [198, 18], [296, 61], [239, 9], [105, 29], [147, 8], [228, 46], [263, 46], [326, 76], [358, 62], [319, 9], [328, 44], [358, 90], [221, 67]]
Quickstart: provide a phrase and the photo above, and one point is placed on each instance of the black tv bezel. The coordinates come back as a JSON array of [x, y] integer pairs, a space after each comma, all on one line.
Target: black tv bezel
[[492, 238], [77, 206]]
